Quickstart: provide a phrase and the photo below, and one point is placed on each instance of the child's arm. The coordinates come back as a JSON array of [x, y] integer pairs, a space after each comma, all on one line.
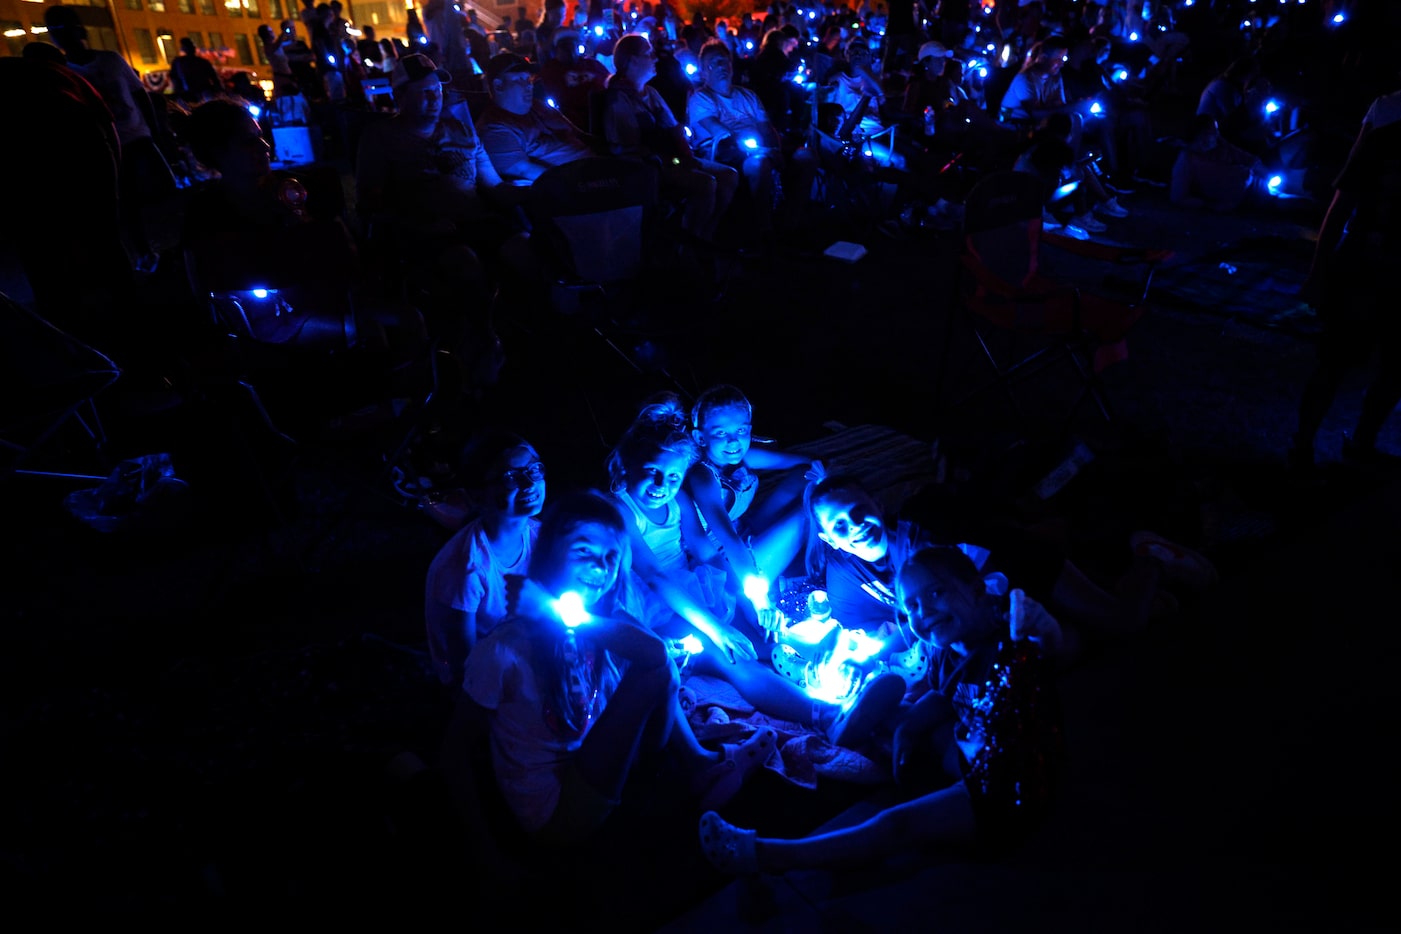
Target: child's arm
[[757, 458], [733, 644], [927, 713], [704, 491]]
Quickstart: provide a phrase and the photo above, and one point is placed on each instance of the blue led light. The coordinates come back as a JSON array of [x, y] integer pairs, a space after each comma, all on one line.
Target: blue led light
[[751, 143], [1121, 75], [254, 111], [570, 609], [1133, 37], [691, 69], [756, 586], [1338, 18], [598, 31], [259, 293], [692, 645], [1274, 184], [982, 71], [1067, 188], [1271, 107], [550, 101], [1096, 109], [581, 49]]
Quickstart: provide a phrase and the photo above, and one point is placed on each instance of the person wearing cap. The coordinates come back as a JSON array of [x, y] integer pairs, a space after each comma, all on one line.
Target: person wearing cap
[[524, 136], [731, 123], [928, 87], [571, 77]]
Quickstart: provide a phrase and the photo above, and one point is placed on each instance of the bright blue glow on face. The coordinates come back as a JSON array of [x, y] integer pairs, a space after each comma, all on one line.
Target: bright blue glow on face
[[570, 609], [751, 143], [1274, 184], [260, 294], [1271, 107]]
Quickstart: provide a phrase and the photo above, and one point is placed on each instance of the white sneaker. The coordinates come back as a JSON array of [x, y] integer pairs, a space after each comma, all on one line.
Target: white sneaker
[[1048, 220], [1112, 208], [1079, 233], [1088, 221]]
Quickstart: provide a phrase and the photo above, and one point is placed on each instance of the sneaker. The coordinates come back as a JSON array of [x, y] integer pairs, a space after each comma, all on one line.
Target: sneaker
[[1048, 220], [1112, 208], [1089, 222], [1077, 232]]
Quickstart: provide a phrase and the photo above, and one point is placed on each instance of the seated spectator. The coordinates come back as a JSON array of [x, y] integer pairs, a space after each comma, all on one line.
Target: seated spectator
[[638, 124], [987, 722], [250, 229], [1050, 156], [571, 78], [524, 136], [769, 74], [1210, 172], [1037, 90], [730, 123], [423, 175], [466, 589]]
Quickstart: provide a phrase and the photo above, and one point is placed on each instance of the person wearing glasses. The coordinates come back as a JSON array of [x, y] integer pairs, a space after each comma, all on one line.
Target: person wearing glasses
[[523, 136], [466, 589]]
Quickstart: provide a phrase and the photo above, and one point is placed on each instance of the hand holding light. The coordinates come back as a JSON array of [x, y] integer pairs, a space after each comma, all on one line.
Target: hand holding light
[[569, 607]]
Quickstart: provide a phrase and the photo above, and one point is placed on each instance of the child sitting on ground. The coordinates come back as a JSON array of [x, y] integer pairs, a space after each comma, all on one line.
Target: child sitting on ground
[[988, 720], [572, 689], [466, 589], [763, 540]]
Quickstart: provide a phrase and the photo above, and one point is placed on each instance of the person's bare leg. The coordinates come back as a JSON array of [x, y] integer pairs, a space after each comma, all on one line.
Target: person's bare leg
[[944, 817]]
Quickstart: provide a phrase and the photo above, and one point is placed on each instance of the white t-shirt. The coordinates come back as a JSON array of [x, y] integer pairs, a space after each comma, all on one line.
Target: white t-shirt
[[738, 110], [527, 752], [468, 577], [1030, 90]]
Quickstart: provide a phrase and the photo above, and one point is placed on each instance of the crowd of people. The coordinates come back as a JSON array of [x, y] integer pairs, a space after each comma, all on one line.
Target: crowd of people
[[564, 634]]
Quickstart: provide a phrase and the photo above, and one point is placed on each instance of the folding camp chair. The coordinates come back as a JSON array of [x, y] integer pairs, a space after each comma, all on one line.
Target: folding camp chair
[[51, 381], [1025, 323]]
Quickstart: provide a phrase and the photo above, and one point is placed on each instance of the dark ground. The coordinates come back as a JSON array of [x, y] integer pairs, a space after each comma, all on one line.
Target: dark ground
[[201, 720]]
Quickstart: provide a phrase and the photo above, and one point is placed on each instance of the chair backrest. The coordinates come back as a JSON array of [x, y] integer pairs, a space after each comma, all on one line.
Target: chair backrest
[[1002, 224], [589, 216]]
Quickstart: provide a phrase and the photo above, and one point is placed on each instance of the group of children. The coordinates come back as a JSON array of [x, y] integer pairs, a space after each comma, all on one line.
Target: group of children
[[560, 639]]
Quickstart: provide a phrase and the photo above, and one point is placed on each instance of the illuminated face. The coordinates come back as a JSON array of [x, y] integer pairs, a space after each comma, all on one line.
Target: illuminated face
[[850, 521], [717, 70], [724, 435], [514, 92], [587, 560], [420, 100], [943, 610], [521, 478], [656, 481]]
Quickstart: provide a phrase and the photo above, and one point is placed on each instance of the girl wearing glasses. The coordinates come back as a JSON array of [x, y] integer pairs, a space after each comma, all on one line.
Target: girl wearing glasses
[[466, 589]]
